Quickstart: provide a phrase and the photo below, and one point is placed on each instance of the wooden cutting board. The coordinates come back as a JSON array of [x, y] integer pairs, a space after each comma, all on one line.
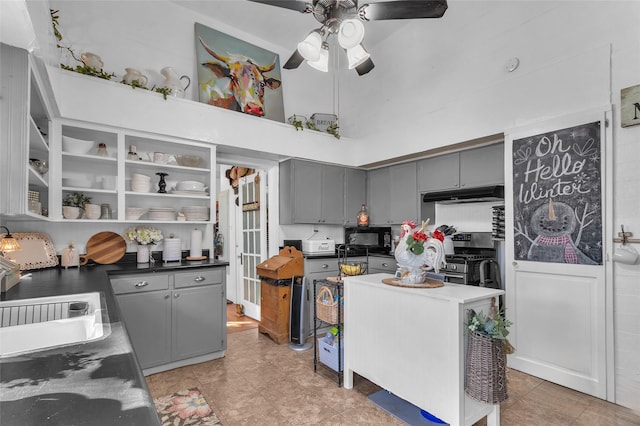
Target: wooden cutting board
[[104, 248]]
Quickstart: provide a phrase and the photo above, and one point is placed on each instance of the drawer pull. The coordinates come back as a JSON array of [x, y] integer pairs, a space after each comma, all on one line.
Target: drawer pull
[[176, 295], [325, 266], [198, 279], [141, 284], [385, 265]]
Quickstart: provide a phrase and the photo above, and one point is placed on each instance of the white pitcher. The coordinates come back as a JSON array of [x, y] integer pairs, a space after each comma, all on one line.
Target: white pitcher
[[133, 74], [92, 60], [173, 82]]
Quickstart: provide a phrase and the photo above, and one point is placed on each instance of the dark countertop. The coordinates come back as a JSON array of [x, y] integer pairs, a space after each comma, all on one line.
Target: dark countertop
[[95, 383]]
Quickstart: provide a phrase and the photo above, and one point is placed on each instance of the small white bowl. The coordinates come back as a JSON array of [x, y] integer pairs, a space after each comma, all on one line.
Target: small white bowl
[[76, 146], [77, 182], [139, 177], [190, 185], [133, 213]]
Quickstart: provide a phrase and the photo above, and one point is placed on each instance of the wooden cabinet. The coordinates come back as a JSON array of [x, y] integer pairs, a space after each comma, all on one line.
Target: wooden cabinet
[[393, 194], [24, 131], [465, 169], [175, 318], [355, 194], [311, 193], [275, 302]]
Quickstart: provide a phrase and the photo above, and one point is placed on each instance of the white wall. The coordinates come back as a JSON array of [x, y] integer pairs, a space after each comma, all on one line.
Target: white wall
[[439, 82]]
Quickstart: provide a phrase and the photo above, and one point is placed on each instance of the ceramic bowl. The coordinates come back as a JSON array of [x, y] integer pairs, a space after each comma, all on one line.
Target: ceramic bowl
[[139, 177], [71, 212], [189, 160], [76, 182], [190, 185], [133, 213], [140, 187], [92, 211], [76, 146]]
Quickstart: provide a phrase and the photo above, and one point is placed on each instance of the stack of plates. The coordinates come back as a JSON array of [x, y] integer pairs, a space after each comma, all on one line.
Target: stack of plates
[[198, 193], [196, 213], [162, 213], [140, 183]]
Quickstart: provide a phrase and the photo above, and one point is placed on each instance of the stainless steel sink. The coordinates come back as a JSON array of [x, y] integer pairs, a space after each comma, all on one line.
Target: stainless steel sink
[[46, 322]]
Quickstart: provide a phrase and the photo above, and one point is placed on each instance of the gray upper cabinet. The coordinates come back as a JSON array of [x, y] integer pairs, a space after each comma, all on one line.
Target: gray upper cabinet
[[393, 194], [465, 169], [355, 194], [311, 193], [439, 173], [482, 166]]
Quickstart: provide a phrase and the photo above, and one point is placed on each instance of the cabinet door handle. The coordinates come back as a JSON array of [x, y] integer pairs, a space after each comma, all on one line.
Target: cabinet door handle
[[141, 284], [176, 295], [166, 296], [198, 279], [325, 266], [385, 265]]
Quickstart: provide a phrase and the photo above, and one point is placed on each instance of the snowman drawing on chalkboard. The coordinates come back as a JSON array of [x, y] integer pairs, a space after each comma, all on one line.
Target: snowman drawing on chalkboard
[[554, 224]]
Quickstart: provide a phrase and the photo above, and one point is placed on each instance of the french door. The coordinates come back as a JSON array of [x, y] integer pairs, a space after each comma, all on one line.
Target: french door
[[252, 238]]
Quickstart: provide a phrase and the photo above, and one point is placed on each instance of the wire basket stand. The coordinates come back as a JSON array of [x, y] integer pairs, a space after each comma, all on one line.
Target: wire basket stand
[[347, 267]]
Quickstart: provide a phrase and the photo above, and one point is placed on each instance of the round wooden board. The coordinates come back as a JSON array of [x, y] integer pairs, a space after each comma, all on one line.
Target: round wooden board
[[427, 284], [104, 248]]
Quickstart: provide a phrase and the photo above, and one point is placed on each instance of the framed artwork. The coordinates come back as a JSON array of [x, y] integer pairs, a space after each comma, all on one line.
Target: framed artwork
[[557, 196], [237, 75]]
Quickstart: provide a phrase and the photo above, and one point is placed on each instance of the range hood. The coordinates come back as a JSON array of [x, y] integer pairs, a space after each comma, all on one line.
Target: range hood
[[466, 195]]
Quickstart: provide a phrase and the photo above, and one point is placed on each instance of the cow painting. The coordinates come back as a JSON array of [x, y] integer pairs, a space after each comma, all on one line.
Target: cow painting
[[237, 75]]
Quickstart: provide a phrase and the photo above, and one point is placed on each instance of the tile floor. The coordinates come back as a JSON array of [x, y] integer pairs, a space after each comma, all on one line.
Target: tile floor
[[261, 383]]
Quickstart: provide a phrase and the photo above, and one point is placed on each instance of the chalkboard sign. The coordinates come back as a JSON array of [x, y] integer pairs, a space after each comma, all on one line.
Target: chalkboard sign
[[557, 204]]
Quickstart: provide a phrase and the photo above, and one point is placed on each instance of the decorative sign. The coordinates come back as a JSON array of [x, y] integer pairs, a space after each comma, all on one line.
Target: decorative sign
[[630, 106], [557, 202]]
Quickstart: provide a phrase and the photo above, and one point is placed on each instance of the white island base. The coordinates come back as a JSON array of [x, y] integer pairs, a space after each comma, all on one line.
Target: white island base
[[411, 342]]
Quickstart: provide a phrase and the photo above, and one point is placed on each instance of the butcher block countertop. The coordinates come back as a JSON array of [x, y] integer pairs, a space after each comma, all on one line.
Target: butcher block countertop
[[95, 383]]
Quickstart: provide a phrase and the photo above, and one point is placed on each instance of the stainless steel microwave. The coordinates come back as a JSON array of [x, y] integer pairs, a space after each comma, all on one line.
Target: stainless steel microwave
[[377, 239]]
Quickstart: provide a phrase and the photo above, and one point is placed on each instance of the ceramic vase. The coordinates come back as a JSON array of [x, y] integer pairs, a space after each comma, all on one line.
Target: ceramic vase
[[143, 253], [410, 266], [70, 212]]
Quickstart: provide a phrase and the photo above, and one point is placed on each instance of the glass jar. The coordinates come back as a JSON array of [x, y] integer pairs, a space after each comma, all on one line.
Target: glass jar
[[132, 155], [363, 216], [102, 150]]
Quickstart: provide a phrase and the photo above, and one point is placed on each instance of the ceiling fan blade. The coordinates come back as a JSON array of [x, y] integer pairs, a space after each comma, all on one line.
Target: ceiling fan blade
[[294, 61], [365, 67], [403, 9], [300, 6]]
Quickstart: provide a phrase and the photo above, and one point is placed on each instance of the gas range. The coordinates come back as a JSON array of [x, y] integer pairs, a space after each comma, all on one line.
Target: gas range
[[472, 251]]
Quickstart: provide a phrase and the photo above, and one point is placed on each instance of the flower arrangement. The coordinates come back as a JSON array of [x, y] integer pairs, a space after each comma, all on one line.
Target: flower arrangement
[[143, 235], [415, 241], [494, 325]]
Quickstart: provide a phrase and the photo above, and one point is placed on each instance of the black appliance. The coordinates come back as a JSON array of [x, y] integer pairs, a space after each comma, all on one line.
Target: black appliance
[[294, 243], [466, 195], [299, 314], [473, 261], [375, 239]]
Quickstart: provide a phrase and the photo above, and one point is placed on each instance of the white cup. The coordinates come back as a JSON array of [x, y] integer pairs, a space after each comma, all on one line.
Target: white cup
[[626, 254], [160, 158], [109, 182]]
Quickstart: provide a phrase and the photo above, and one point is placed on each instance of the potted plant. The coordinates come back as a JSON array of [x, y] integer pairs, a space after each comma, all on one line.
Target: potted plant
[[143, 236], [73, 205]]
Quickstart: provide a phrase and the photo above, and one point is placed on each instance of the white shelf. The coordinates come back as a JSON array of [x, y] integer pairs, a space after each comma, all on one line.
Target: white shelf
[[152, 165], [36, 178], [167, 195], [37, 141], [89, 157]]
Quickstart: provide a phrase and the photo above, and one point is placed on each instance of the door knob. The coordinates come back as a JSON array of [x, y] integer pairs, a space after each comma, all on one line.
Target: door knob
[[514, 263]]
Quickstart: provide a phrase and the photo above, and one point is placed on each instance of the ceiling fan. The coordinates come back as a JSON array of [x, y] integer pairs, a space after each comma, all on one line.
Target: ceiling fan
[[344, 18]]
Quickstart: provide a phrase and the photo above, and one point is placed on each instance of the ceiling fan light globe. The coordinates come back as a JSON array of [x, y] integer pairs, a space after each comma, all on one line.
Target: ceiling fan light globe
[[322, 64], [356, 56], [351, 33], [310, 47]]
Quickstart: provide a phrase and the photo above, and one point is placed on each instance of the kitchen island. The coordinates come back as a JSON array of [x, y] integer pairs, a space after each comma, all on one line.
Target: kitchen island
[[95, 383], [411, 342]]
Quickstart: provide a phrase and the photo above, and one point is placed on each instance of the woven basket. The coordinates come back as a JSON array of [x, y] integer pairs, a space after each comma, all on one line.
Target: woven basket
[[327, 312], [486, 377]]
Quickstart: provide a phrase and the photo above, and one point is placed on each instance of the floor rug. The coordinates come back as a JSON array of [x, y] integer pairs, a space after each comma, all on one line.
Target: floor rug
[[185, 407], [403, 410]]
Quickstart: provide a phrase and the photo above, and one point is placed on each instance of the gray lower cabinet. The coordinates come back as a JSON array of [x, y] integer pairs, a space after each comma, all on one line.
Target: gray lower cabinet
[[393, 194], [379, 265], [174, 317]]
